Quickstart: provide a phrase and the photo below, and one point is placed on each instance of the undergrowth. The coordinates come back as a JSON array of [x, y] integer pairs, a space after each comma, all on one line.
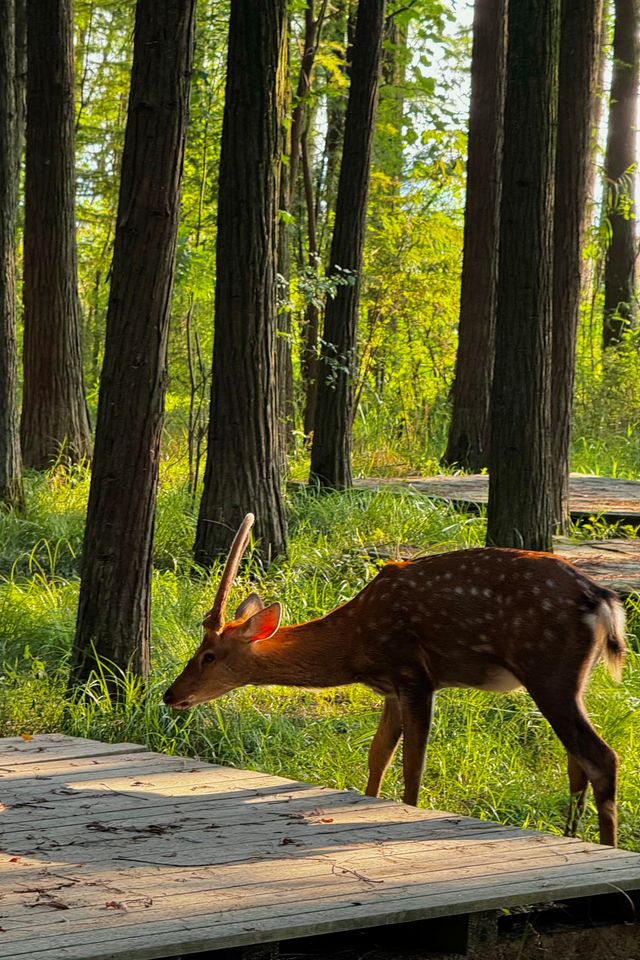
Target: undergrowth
[[490, 756]]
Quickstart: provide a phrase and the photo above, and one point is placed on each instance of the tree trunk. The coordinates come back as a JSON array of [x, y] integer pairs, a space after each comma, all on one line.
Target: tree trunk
[[11, 493], [331, 449], [520, 511], [388, 153], [580, 36], [242, 473], [114, 607], [468, 440], [21, 75], [54, 413], [621, 173]]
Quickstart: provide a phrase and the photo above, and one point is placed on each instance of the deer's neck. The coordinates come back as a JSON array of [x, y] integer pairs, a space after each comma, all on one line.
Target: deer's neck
[[321, 653]]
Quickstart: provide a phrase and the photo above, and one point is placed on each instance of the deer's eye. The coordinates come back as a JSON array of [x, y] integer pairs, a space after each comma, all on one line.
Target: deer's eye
[[208, 658]]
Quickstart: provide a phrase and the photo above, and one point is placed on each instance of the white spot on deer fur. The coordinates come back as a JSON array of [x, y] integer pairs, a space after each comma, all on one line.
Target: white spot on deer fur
[[447, 576], [517, 622], [590, 619], [459, 590], [473, 591], [548, 635], [547, 605], [463, 566], [535, 590], [527, 575], [487, 592], [411, 583], [502, 577], [551, 583]]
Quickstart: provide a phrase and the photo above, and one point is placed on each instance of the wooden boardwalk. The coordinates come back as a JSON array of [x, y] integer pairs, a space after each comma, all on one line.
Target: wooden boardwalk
[[109, 851], [616, 501]]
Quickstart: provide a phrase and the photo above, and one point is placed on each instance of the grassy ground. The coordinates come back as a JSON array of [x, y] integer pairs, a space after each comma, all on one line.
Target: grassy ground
[[491, 756]]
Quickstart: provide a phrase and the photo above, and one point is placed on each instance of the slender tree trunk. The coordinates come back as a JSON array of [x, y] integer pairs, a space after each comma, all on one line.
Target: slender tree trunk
[[520, 511], [388, 154], [54, 412], [580, 36], [241, 473], [468, 440], [621, 173], [115, 592], [331, 449], [311, 321], [11, 493]]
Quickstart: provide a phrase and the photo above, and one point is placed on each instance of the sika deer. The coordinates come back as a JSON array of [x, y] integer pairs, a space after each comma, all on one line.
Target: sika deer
[[493, 618]]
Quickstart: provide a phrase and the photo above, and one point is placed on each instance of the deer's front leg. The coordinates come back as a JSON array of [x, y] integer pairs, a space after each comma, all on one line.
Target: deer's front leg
[[383, 745], [416, 709]]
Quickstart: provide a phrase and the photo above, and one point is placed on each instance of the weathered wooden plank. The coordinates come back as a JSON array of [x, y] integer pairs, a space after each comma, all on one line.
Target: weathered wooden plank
[[616, 500], [359, 866], [282, 859], [16, 751], [394, 857], [159, 849], [330, 882], [282, 919]]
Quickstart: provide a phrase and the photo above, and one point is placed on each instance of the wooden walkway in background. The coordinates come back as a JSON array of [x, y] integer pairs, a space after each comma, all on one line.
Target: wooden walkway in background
[[616, 501], [109, 851], [613, 562]]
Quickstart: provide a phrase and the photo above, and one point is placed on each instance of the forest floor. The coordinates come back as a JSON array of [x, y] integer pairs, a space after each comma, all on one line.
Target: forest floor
[[491, 755]]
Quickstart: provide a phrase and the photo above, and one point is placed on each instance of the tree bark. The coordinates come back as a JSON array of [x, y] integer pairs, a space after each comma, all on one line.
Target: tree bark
[[520, 510], [114, 607], [54, 413], [580, 35], [468, 440], [331, 449], [11, 492], [621, 160], [241, 473]]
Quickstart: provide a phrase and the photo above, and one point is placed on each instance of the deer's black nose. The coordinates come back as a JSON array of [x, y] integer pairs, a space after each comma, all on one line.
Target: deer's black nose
[[169, 697]]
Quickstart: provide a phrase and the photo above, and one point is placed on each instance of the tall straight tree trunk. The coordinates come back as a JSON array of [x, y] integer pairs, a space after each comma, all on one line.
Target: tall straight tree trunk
[[242, 472], [284, 359], [468, 440], [520, 511], [114, 607], [621, 159], [580, 36], [11, 493], [54, 412], [331, 448]]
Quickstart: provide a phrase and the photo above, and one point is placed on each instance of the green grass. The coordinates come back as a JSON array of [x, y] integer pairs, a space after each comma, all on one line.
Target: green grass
[[491, 756]]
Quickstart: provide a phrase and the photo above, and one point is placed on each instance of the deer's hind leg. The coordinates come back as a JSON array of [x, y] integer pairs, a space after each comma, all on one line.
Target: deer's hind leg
[[598, 761], [384, 744], [578, 786]]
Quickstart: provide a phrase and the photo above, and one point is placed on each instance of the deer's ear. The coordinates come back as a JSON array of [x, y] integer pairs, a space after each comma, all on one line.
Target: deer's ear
[[251, 605], [261, 625]]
